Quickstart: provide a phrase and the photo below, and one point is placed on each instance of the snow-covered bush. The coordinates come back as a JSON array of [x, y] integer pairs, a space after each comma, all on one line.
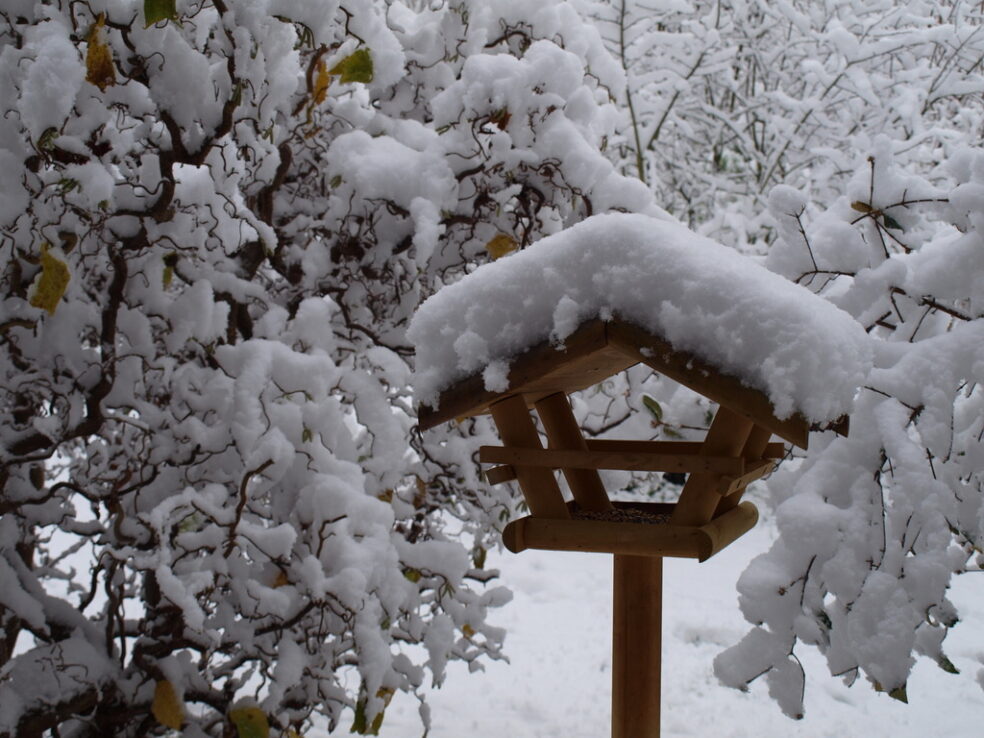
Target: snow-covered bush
[[215, 221], [725, 100], [872, 527]]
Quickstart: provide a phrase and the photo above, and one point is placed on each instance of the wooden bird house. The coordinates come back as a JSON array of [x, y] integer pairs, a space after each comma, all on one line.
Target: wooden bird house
[[709, 514], [585, 295]]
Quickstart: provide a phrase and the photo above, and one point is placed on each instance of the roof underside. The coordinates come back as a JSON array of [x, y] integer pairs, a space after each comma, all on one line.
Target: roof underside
[[596, 351]]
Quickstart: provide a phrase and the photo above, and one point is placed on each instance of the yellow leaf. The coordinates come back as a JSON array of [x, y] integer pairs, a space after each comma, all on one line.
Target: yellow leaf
[[51, 283], [250, 722], [167, 708], [321, 81], [468, 630], [281, 579], [501, 245], [99, 69]]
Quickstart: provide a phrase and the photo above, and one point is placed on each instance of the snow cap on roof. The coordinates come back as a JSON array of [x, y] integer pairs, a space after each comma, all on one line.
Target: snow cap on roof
[[802, 352]]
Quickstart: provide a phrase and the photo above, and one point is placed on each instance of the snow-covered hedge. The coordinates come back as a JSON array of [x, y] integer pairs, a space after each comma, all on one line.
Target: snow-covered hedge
[[215, 221]]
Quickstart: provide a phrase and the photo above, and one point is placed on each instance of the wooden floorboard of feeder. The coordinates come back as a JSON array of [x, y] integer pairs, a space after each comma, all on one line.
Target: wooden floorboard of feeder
[[634, 529]]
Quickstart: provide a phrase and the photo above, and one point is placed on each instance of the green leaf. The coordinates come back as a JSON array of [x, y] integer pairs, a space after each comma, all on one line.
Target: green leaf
[[412, 575], [946, 665], [250, 722], [653, 407], [478, 557], [306, 435], [356, 67], [890, 222], [159, 10]]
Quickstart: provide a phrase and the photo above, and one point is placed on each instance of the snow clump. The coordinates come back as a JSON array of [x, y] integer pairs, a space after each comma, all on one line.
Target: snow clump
[[804, 353]]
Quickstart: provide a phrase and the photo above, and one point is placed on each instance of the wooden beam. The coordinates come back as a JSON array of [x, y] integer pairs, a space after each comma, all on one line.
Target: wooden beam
[[757, 440], [674, 448], [500, 474], [706, 380], [758, 470], [636, 646], [699, 497], [561, 459], [564, 433], [727, 528], [631, 538], [583, 360], [539, 486]]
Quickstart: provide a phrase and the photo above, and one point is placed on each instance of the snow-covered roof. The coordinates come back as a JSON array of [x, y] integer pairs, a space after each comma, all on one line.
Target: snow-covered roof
[[804, 354]]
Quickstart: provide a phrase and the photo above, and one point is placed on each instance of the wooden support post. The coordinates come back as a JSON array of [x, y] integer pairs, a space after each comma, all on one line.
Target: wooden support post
[[636, 646], [755, 447], [699, 498], [565, 434], [538, 484]]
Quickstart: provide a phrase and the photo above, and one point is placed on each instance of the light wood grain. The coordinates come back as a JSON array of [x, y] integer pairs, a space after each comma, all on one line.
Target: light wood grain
[[559, 459], [539, 486], [699, 497], [637, 625], [564, 433]]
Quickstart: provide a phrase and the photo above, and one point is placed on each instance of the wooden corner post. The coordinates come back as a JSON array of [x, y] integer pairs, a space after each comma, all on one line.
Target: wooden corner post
[[636, 646]]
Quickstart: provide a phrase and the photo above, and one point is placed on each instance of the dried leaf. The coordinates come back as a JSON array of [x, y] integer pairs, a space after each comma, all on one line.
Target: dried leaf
[[468, 631], [899, 694], [501, 245], [360, 724], [99, 69], [321, 81], [281, 579], [356, 67], [167, 708], [250, 722], [159, 10], [861, 207], [501, 118], [51, 283]]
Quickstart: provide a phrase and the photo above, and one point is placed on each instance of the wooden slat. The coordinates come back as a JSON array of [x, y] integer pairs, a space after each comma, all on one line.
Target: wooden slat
[[699, 497], [560, 459], [730, 486], [726, 529], [757, 440], [631, 539], [771, 451], [636, 646], [563, 433], [584, 360], [539, 486], [500, 474], [635, 539], [706, 380]]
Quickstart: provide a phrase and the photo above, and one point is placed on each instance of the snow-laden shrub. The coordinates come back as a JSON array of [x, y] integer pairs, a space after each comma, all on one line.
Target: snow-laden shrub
[[873, 527], [215, 221]]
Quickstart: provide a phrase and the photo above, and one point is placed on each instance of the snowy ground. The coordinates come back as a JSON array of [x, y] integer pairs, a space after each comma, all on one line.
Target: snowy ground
[[558, 684]]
